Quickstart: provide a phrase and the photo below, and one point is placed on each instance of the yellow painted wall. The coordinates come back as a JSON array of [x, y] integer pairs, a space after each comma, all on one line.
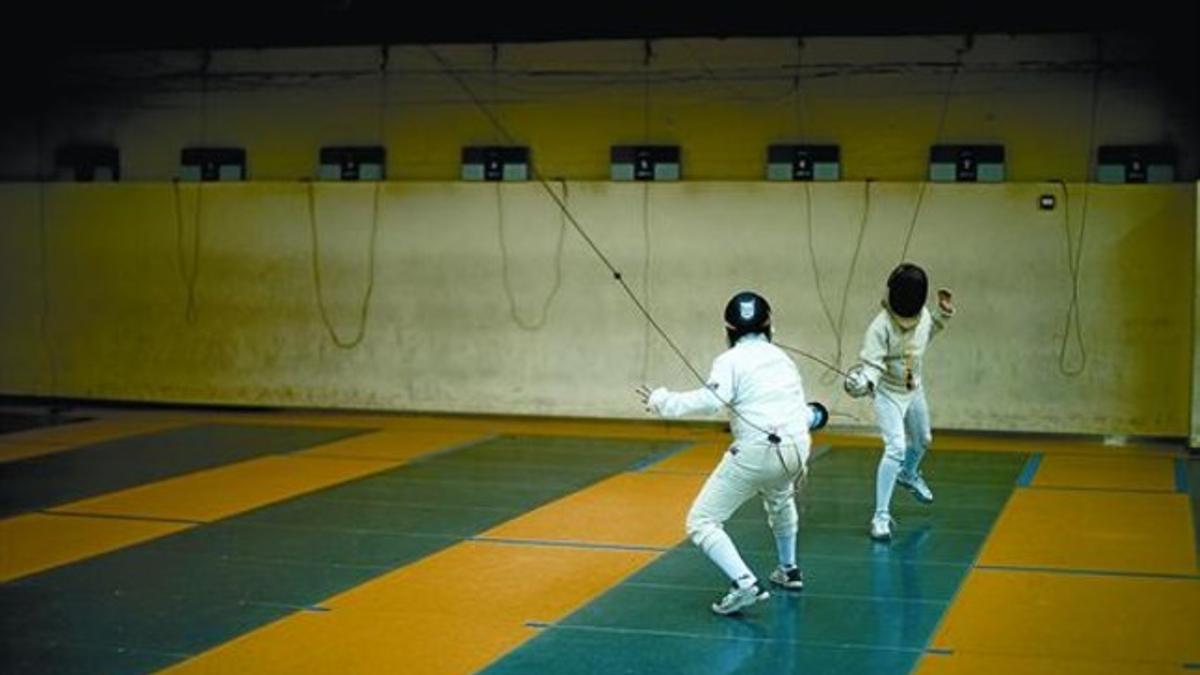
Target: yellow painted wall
[[130, 303], [1195, 435], [441, 333]]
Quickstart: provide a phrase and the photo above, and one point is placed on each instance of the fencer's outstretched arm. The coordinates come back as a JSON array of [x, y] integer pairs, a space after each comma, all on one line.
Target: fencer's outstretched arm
[[707, 400]]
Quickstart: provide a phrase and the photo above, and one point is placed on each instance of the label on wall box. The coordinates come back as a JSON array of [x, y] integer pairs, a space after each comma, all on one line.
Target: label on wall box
[[804, 162], [1135, 164], [966, 163], [87, 163], [212, 164], [352, 163], [495, 163], [645, 162]]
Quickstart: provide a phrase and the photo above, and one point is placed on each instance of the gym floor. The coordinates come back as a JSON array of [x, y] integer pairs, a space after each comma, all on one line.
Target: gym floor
[[138, 541]]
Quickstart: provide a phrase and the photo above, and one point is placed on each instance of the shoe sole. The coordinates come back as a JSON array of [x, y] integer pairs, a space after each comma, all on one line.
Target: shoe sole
[[788, 587]]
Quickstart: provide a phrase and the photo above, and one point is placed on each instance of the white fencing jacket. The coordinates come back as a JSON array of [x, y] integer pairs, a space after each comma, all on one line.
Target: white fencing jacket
[[760, 381], [893, 355]]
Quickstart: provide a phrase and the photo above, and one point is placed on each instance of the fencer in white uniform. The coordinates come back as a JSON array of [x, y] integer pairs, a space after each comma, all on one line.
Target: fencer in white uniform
[[889, 368], [761, 388]]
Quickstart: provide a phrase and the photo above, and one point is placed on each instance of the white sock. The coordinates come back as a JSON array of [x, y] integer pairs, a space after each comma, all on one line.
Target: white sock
[[720, 549], [785, 544], [885, 482]]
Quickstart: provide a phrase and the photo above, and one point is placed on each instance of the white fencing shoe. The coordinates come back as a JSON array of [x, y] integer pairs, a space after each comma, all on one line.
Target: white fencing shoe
[[738, 599]]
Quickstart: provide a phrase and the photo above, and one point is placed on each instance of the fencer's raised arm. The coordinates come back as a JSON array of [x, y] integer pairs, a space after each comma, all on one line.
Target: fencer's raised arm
[[943, 312], [707, 400]]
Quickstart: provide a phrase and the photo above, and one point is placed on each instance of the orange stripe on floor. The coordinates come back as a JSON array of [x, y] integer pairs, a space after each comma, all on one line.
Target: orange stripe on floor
[[463, 608], [1082, 546], [1104, 621], [1048, 445], [392, 445], [212, 494], [47, 440], [535, 426], [35, 542], [701, 458], [632, 509], [1114, 473], [1087, 530], [453, 612]]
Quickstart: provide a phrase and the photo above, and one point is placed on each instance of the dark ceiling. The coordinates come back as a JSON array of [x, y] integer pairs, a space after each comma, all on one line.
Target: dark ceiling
[[44, 35], [223, 23]]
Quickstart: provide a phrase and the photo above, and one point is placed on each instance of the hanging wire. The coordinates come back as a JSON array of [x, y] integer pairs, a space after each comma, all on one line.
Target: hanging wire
[[360, 330], [646, 61], [540, 321], [941, 127], [364, 310], [617, 276], [189, 271], [1075, 253]]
